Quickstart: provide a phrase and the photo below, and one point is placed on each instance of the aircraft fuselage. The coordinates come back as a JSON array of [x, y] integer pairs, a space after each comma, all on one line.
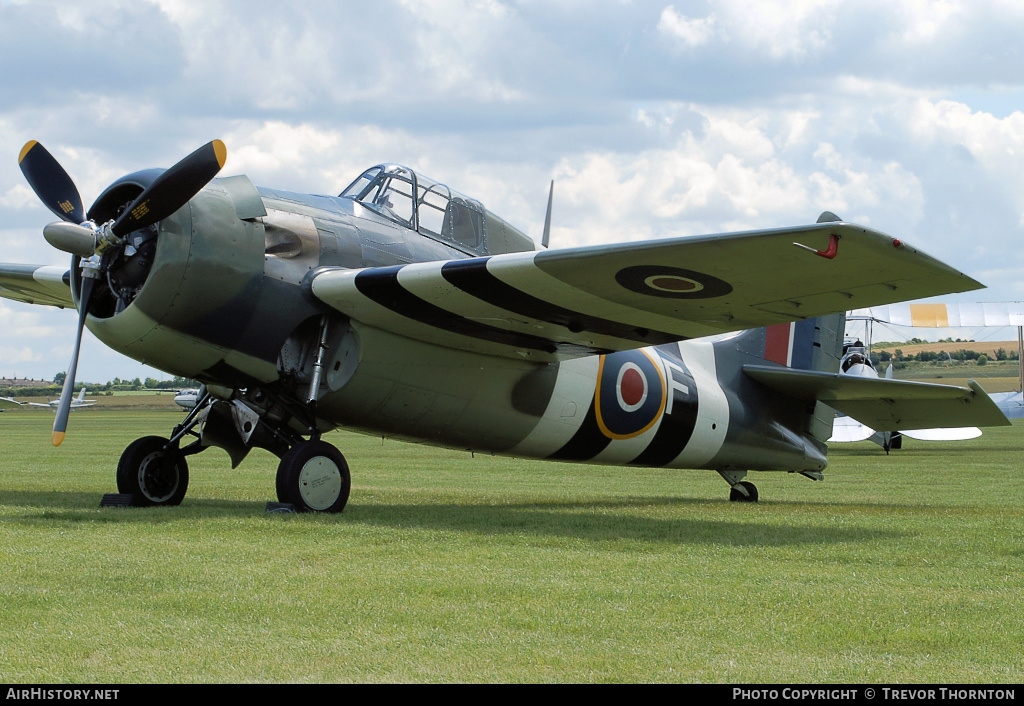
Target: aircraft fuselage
[[226, 301]]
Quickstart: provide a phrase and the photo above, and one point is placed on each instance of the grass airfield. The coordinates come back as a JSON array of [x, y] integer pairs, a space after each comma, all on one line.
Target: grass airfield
[[449, 567]]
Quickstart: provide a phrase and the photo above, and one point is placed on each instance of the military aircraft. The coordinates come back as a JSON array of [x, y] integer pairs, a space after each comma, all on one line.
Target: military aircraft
[[76, 402], [404, 309]]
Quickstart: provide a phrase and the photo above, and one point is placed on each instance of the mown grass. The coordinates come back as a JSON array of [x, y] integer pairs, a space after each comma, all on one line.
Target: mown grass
[[447, 567]]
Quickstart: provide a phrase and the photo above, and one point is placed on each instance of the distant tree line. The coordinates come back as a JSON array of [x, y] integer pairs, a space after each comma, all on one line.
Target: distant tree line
[[115, 385], [961, 355], [916, 341]]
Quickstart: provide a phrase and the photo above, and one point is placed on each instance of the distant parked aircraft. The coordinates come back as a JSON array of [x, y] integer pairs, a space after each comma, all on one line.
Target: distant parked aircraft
[[79, 401], [9, 403], [187, 398]]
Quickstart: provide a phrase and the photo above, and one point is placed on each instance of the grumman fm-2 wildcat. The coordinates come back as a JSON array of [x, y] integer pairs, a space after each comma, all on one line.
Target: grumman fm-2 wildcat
[[404, 309]]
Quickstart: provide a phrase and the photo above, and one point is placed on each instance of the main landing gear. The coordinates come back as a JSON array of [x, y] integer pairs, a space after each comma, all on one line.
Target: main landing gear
[[312, 475], [152, 472]]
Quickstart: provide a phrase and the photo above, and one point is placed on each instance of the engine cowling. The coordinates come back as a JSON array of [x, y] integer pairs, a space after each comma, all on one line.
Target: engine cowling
[[189, 294]]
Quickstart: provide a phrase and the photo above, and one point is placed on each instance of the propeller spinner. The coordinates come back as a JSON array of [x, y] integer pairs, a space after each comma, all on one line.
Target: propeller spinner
[[74, 234]]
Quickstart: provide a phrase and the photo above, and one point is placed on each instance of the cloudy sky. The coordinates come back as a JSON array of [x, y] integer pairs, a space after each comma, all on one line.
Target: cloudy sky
[[654, 118]]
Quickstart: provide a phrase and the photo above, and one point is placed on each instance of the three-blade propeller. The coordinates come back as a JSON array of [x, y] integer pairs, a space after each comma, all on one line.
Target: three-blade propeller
[[168, 193]]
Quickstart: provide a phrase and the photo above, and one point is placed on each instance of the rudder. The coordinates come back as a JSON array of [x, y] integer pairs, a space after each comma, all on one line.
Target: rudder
[[811, 344]]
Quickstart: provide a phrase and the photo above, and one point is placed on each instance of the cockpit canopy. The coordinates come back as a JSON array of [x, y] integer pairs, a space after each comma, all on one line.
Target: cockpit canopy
[[432, 209]]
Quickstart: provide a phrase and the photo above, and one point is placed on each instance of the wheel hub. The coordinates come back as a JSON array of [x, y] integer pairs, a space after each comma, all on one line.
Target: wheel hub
[[319, 483], [157, 481]]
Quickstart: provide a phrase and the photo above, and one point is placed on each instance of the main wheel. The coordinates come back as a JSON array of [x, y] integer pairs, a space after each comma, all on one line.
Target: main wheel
[[737, 496], [314, 476], [151, 474]]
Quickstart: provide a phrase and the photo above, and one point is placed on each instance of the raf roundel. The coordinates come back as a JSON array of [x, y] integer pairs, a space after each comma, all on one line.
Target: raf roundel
[[671, 282], [631, 387], [630, 396]]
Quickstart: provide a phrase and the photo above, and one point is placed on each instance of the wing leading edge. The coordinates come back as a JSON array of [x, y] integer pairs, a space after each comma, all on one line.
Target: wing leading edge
[[34, 284], [556, 304]]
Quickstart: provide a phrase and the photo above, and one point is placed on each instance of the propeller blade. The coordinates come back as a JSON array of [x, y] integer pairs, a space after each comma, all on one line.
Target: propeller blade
[[173, 188], [60, 423], [71, 238], [51, 183]]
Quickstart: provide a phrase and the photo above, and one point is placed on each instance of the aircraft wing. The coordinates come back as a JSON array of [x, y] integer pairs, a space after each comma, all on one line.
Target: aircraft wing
[[9, 403], [887, 405], [555, 304], [36, 284]]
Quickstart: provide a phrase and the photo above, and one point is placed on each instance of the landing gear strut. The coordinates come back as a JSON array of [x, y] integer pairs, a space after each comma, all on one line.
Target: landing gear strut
[[312, 475], [742, 491]]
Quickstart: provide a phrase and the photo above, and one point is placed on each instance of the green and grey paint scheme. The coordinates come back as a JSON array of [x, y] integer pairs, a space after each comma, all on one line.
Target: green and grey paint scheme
[[402, 308]]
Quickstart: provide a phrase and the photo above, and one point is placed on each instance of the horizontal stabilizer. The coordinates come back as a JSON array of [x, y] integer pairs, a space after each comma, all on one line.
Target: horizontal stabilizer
[[887, 405]]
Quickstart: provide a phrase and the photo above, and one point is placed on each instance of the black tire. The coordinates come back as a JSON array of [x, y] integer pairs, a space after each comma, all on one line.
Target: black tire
[[737, 496], [314, 477], [153, 476]]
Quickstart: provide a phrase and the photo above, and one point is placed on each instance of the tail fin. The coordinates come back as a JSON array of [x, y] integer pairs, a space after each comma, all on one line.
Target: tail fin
[[812, 345]]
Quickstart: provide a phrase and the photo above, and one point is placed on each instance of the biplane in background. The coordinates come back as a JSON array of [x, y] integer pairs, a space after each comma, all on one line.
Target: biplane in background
[[960, 315], [856, 361]]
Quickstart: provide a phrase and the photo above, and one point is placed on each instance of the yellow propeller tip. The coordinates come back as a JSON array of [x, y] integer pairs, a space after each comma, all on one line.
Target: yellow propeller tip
[[57, 438], [220, 151], [25, 150]]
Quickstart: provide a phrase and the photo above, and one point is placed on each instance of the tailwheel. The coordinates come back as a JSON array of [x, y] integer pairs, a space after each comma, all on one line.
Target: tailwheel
[[743, 491], [313, 476], [737, 494], [152, 472]]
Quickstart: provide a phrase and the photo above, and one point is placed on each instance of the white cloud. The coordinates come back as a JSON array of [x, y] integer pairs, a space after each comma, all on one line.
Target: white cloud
[[693, 32], [655, 119]]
